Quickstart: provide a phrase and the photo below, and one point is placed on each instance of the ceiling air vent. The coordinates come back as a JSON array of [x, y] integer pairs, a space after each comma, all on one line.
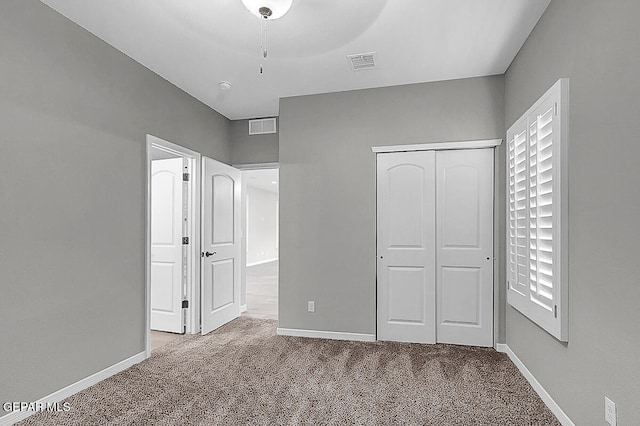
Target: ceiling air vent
[[363, 61], [262, 127]]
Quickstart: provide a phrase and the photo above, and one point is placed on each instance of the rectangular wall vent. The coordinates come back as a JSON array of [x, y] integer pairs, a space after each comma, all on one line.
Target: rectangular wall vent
[[363, 61], [263, 126]]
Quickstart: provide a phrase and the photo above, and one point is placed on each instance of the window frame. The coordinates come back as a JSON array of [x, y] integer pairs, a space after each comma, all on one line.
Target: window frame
[[554, 321]]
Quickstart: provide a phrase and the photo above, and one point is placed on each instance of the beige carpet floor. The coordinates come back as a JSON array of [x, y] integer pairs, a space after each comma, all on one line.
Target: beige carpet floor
[[244, 374]]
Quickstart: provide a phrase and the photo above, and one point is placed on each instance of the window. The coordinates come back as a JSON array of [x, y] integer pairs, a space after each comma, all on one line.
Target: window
[[537, 227]]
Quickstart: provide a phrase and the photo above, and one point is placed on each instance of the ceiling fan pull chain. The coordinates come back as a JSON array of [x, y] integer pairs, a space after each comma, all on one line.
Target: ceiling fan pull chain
[[264, 38]]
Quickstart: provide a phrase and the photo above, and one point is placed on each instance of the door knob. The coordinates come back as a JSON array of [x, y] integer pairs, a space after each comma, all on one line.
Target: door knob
[[209, 254]]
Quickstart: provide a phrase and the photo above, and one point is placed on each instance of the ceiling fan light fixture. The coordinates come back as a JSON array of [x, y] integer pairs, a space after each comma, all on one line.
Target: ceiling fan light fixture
[[268, 9]]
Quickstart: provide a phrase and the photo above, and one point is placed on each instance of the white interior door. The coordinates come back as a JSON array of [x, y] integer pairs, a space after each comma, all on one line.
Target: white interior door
[[166, 245], [465, 246], [406, 246], [221, 244]]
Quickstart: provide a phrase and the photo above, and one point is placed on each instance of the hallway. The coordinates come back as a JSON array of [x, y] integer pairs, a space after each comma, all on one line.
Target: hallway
[[262, 291]]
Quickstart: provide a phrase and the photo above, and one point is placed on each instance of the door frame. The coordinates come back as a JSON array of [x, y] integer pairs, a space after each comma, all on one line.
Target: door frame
[[243, 220], [453, 145], [192, 318]]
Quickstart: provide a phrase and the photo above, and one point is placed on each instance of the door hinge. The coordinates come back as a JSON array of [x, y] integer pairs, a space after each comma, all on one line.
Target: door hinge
[[185, 304], [185, 177], [555, 311], [185, 240], [556, 109]]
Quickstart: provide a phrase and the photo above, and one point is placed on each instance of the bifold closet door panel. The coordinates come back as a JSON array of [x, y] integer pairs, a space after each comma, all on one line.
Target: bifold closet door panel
[[464, 236], [406, 247]]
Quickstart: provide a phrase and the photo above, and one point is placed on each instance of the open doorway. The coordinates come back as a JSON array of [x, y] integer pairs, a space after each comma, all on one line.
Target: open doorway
[[261, 241], [173, 218]]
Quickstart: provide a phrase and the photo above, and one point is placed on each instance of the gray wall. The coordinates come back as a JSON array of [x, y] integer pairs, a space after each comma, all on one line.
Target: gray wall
[[328, 186], [252, 149], [596, 44], [75, 113]]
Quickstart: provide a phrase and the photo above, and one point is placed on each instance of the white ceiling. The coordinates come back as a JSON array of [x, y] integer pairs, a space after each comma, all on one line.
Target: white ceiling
[[197, 43], [263, 179]]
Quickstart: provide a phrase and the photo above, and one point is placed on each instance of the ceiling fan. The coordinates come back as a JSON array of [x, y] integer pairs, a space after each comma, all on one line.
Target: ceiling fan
[[267, 10]]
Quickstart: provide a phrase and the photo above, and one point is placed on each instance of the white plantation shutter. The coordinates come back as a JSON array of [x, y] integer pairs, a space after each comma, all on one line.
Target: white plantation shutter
[[541, 208], [518, 209], [536, 212]]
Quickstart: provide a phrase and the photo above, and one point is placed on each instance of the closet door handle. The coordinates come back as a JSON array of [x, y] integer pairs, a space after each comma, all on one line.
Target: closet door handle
[[209, 254]]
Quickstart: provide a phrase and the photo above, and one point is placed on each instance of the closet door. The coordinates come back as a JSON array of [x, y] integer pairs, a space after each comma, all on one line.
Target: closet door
[[406, 246], [464, 254], [166, 245]]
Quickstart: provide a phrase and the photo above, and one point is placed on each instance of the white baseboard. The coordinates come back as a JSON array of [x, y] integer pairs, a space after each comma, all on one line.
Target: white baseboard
[[58, 396], [261, 262], [535, 384], [335, 335], [243, 308]]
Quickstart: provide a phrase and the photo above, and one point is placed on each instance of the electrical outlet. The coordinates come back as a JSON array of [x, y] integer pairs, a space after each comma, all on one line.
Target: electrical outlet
[[311, 306], [610, 411]]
